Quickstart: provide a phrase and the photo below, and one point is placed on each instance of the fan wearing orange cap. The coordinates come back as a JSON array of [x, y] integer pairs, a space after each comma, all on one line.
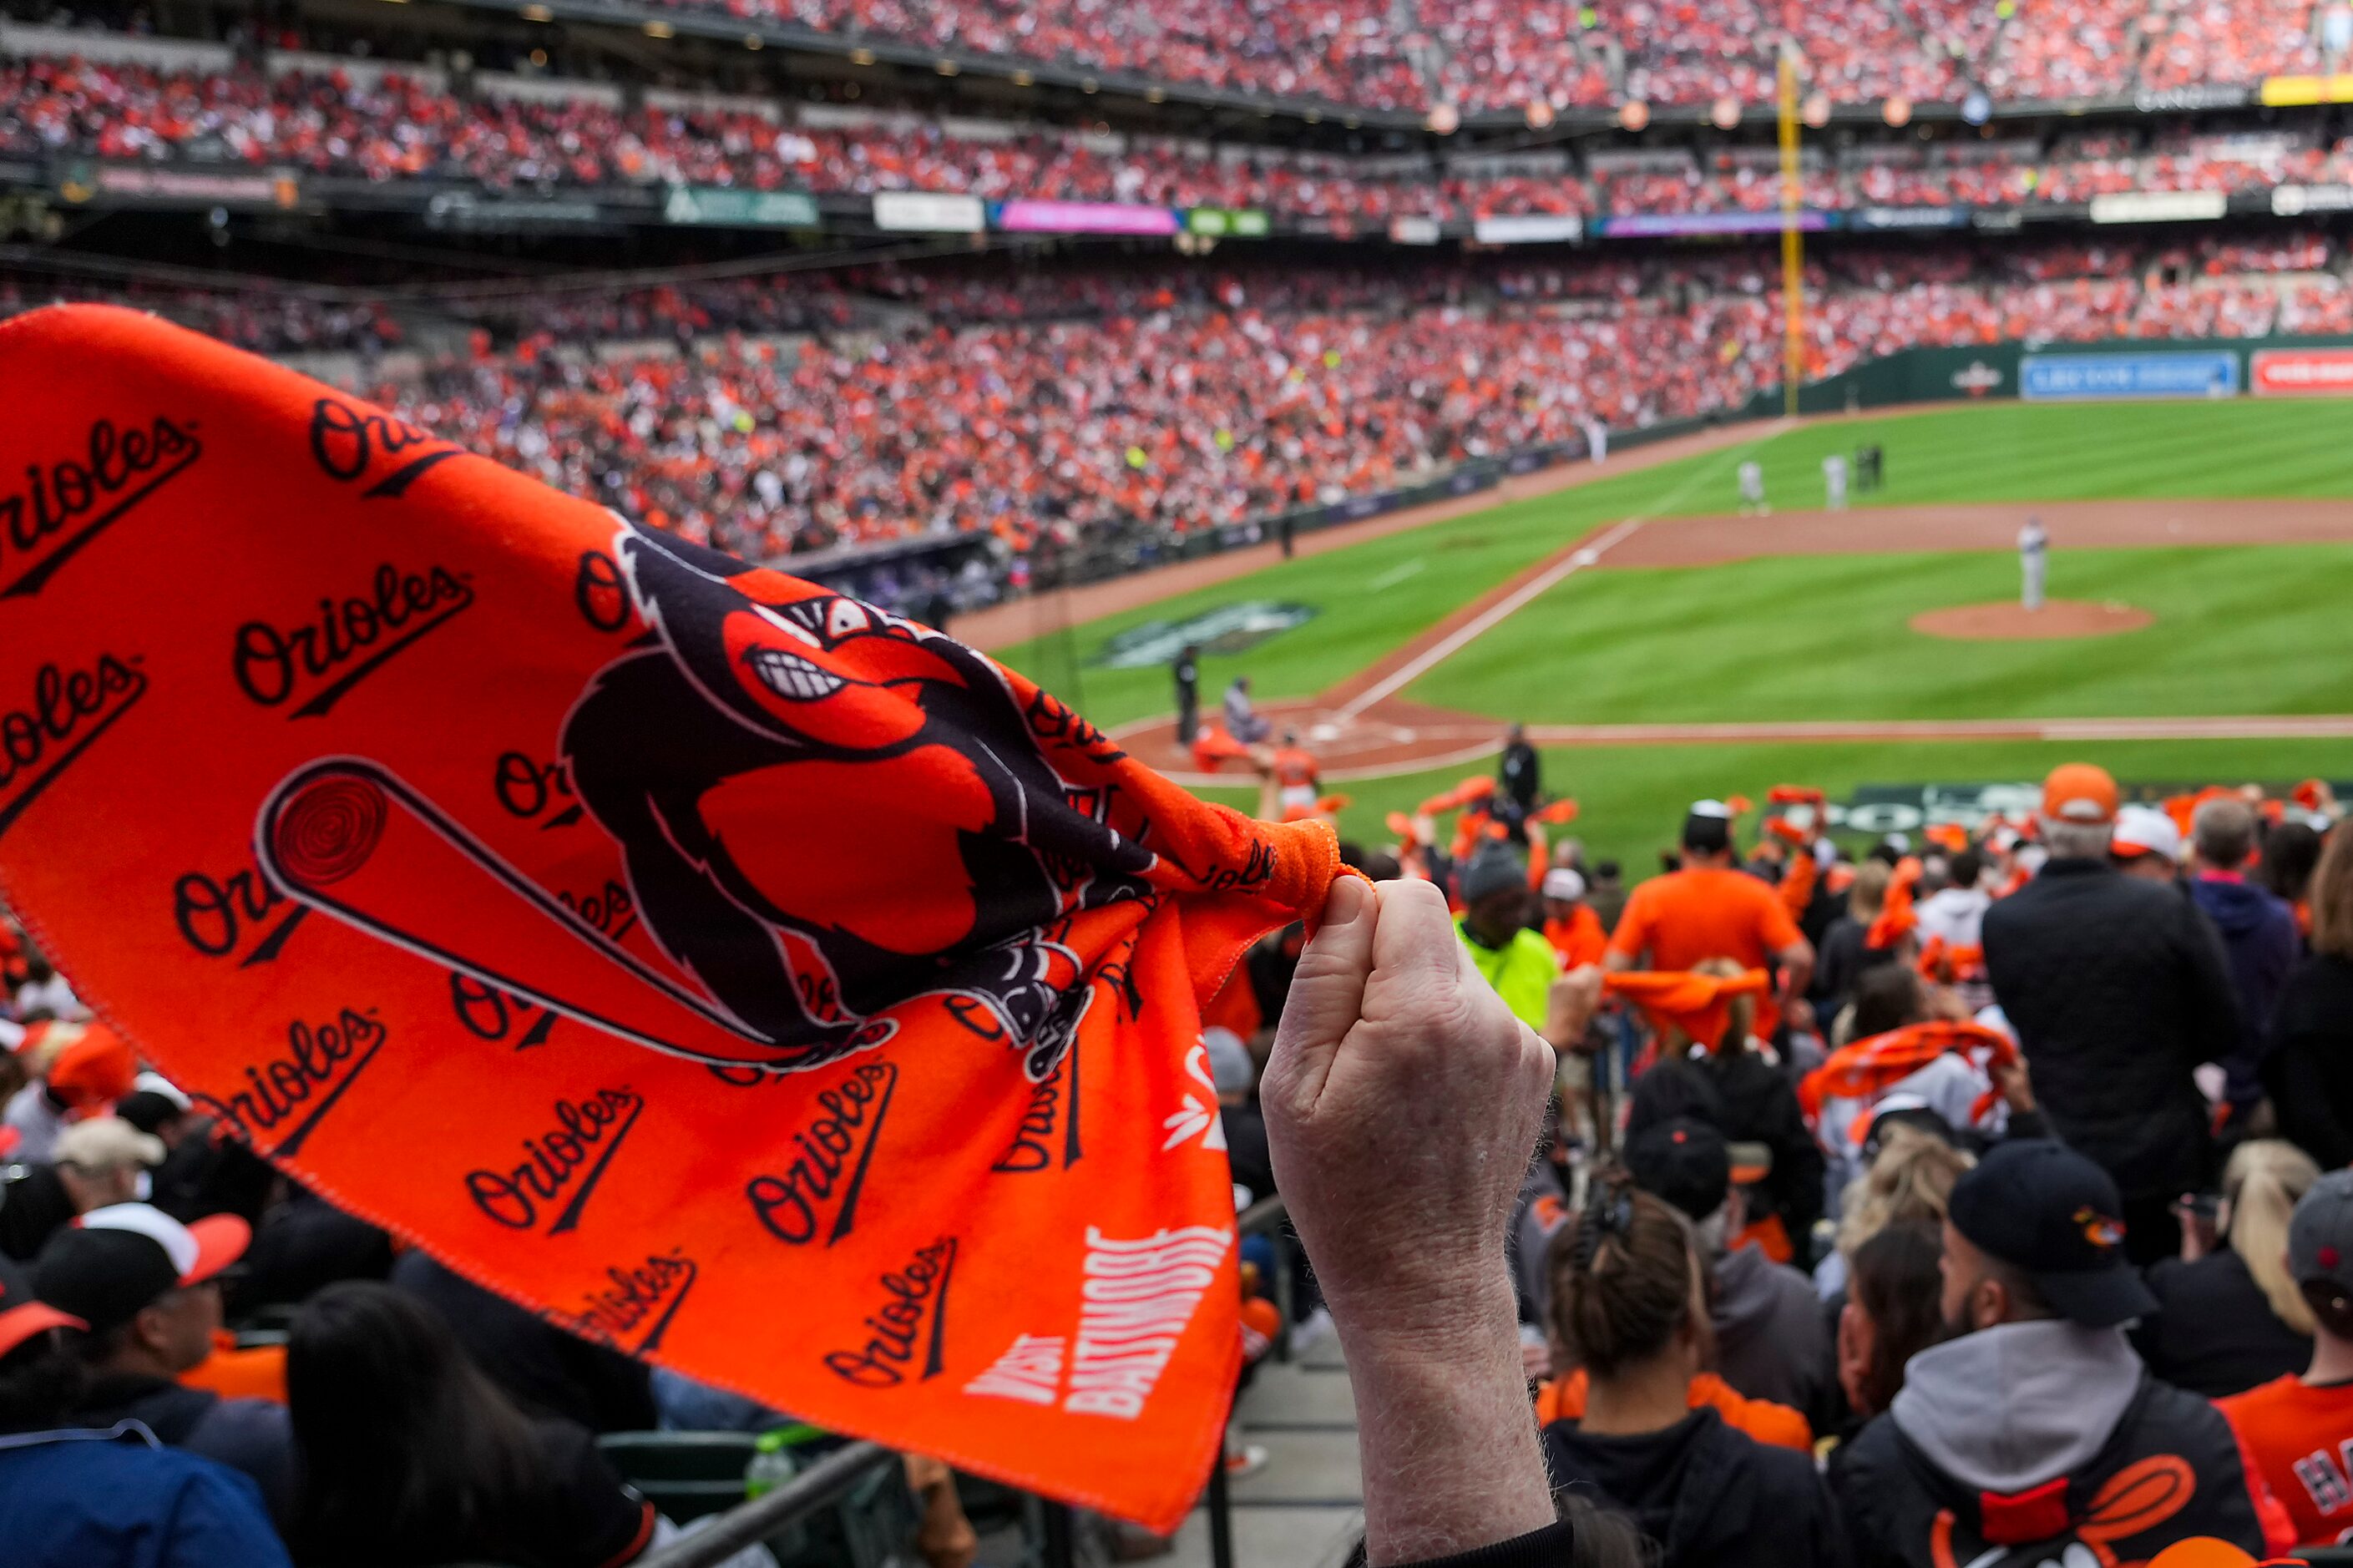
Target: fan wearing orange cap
[[150, 1289], [75, 1499], [90, 1068], [2117, 990]]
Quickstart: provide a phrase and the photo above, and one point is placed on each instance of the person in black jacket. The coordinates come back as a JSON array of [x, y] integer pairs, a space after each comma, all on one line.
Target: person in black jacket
[[2309, 1070], [2118, 990], [410, 1455], [2230, 1316], [1750, 1100], [2035, 1431], [1628, 1305], [544, 1370], [2259, 936], [1519, 776], [1187, 673]]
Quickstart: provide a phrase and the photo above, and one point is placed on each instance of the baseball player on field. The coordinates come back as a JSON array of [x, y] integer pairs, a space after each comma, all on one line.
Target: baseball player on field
[[1752, 490], [1834, 480], [2033, 563]]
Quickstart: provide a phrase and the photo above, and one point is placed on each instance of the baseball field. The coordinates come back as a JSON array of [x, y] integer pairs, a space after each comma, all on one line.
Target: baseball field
[[1661, 647]]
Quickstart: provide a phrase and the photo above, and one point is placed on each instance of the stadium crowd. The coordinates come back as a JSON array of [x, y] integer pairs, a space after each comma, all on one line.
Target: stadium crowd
[[1990, 1164], [1176, 401], [387, 125], [1508, 54]]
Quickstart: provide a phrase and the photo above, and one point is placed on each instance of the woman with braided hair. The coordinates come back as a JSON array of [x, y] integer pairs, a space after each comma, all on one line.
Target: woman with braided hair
[[1629, 1310]]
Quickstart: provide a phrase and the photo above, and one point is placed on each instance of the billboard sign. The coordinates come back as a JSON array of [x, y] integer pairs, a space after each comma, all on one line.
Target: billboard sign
[[2058, 378], [1085, 217], [1228, 223], [1653, 226], [2300, 373], [722, 205], [926, 211], [2159, 206], [1533, 228]]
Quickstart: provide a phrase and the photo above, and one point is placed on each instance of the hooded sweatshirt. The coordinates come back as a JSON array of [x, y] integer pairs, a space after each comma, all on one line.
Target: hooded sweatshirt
[[2261, 944], [1772, 1340], [1709, 1495], [2007, 1443]]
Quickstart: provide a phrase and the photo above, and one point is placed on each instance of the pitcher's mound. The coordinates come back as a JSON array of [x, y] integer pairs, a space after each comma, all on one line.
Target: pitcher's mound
[[2009, 621]]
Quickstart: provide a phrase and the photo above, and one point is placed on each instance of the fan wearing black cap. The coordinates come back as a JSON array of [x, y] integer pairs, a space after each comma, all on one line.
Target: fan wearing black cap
[[150, 1289], [71, 1497], [1772, 1341], [2034, 1432]]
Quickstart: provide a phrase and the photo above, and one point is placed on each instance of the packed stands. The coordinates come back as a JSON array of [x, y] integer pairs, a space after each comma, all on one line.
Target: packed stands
[[1091, 404], [383, 124]]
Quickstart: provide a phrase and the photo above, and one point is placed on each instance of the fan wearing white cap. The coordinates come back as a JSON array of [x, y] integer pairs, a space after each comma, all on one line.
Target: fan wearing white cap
[[71, 1497], [149, 1287], [2145, 844], [1571, 924]]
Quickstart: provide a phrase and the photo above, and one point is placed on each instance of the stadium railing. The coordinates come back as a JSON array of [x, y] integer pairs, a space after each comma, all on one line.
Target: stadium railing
[[832, 1480]]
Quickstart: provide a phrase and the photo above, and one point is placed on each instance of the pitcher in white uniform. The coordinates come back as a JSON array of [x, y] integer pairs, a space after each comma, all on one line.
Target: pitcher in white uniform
[[2033, 563]]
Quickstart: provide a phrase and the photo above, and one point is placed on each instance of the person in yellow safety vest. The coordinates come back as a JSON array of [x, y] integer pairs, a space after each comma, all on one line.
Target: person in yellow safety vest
[[1515, 958]]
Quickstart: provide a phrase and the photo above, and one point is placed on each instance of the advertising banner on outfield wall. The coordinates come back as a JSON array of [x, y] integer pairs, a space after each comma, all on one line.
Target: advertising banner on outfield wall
[[1908, 218], [1653, 226], [2057, 378], [1228, 223], [1085, 217], [922, 212], [2300, 373], [2295, 201], [1534, 228], [2160, 207], [85, 180], [721, 205]]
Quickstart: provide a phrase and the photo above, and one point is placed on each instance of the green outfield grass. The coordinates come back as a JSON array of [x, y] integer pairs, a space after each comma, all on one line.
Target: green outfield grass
[[2240, 629], [1631, 798], [1373, 598]]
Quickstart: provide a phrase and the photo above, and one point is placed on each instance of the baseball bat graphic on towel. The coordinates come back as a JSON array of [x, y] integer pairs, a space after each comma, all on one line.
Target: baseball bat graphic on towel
[[348, 838]]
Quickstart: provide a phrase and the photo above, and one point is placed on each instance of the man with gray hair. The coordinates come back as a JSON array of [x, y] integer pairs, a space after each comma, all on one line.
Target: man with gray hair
[[2118, 991], [2258, 931]]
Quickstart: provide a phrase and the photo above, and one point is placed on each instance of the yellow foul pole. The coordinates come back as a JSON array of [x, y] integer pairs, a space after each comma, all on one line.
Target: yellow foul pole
[[1793, 246]]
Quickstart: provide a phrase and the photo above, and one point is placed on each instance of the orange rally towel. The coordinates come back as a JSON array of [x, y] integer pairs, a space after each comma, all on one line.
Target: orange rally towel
[[1696, 1003], [1563, 1399], [736, 974], [1866, 1069], [233, 1374]]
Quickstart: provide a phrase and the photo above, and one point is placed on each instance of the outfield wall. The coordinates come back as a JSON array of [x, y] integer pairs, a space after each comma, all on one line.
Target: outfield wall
[[2144, 368], [2061, 371]]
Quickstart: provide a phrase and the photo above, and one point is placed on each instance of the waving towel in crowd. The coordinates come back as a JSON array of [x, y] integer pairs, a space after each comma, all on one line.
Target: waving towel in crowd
[[738, 974]]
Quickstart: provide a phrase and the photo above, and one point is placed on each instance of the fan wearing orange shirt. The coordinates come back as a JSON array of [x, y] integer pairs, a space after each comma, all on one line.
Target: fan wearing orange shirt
[[2298, 1431], [1570, 924], [1711, 909]]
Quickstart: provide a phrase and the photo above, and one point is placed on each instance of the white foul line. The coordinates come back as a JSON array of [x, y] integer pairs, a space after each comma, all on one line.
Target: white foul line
[[1479, 625], [1396, 574]]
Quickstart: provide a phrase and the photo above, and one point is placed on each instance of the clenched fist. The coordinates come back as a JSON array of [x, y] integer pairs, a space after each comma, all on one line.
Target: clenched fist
[[1402, 1103]]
